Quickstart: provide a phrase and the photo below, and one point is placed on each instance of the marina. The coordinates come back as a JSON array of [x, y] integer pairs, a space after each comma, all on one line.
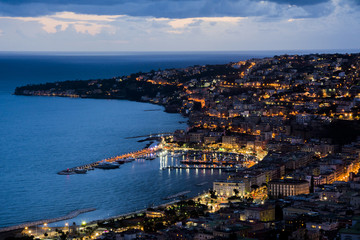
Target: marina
[[197, 167]]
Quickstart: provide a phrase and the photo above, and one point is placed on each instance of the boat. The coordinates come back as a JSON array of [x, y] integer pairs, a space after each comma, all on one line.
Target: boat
[[107, 165], [150, 158], [120, 161], [80, 170]]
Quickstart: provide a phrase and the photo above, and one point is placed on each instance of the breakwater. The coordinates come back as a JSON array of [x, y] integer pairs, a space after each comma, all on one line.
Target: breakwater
[[133, 155], [51, 220]]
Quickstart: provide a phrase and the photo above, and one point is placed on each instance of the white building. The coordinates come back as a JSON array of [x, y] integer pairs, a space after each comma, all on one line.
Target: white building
[[226, 188]]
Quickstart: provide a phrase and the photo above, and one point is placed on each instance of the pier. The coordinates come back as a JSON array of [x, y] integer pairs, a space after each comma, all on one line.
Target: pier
[[51, 220], [138, 154], [180, 194], [151, 135]]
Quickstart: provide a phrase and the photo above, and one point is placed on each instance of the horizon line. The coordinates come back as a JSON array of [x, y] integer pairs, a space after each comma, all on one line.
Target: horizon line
[[175, 51]]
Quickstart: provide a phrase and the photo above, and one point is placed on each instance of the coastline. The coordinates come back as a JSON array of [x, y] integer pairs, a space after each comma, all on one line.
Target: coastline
[[166, 110], [41, 216], [70, 215], [18, 228]]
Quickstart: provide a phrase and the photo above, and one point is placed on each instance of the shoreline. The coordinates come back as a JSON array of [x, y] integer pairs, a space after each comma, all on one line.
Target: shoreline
[[103, 98], [76, 213], [70, 215]]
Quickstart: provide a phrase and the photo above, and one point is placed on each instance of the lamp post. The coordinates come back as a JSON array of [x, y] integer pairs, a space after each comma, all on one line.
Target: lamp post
[[67, 225], [45, 226]]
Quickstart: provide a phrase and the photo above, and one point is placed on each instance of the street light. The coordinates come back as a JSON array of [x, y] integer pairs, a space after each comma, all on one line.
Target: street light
[[45, 225]]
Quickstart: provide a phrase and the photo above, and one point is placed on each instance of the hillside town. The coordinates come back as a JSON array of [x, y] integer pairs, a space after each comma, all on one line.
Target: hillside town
[[297, 116]]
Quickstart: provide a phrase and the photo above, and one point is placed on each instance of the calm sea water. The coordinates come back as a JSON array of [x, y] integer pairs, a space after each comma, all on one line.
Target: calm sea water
[[42, 135]]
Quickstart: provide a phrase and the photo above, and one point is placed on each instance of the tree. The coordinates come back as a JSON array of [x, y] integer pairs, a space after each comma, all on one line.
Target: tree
[[213, 194], [312, 184], [63, 236], [236, 192]]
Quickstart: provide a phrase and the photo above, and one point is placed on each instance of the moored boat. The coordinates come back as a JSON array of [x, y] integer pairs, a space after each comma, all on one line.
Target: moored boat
[[107, 165], [80, 170]]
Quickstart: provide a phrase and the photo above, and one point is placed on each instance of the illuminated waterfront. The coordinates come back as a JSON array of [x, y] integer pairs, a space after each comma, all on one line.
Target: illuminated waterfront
[[41, 136]]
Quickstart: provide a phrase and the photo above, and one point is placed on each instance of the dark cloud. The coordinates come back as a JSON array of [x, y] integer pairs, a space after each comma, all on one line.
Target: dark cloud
[[356, 2], [155, 8], [116, 2], [299, 2]]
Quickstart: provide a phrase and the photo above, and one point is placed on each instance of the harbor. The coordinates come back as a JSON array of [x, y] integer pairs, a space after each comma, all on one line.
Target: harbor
[[190, 160]]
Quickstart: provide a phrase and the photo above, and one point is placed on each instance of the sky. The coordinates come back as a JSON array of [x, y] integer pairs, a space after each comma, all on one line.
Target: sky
[[178, 25]]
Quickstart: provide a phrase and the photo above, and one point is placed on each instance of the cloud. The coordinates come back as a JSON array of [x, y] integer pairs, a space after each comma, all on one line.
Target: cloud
[[163, 8], [185, 22], [82, 23], [299, 2], [276, 26]]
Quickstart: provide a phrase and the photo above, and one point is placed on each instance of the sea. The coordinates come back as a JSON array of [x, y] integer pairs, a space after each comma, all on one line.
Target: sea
[[40, 136]]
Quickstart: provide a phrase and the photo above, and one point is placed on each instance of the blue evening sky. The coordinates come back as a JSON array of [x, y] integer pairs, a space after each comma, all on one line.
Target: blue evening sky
[[178, 25]]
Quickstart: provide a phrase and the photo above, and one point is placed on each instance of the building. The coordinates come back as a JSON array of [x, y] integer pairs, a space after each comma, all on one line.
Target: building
[[226, 188], [288, 187], [196, 137], [229, 141], [154, 214], [293, 212], [265, 213]]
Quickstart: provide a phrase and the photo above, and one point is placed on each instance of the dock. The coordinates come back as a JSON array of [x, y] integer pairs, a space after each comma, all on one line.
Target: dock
[[51, 220], [198, 167]]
